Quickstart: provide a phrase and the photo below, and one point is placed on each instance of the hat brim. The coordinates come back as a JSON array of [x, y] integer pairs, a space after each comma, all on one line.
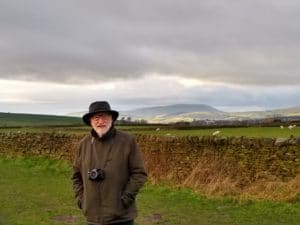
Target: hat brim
[[86, 117]]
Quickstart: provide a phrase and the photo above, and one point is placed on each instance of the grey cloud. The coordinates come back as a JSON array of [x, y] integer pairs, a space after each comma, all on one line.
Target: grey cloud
[[243, 42]]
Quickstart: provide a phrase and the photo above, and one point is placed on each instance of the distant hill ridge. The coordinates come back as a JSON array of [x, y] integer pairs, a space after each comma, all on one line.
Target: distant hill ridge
[[293, 111], [190, 112], [170, 110], [157, 114], [162, 110]]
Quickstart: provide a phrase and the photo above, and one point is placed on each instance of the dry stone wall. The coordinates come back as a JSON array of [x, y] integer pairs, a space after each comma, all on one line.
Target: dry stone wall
[[183, 160], [243, 159], [51, 145]]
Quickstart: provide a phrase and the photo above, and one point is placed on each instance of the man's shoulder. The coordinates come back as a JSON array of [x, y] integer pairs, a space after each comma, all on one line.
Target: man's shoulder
[[122, 135], [85, 139]]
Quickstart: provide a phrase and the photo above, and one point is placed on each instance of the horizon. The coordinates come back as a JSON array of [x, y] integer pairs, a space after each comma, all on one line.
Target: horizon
[[246, 109]]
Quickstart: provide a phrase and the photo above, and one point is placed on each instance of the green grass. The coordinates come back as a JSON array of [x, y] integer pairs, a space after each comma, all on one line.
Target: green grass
[[166, 131], [47, 129], [38, 191], [17, 122], [238, 131], [34, 191], [20, 120]]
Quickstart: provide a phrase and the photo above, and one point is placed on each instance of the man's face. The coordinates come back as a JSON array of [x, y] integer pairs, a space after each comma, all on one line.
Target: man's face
[[101, 122]]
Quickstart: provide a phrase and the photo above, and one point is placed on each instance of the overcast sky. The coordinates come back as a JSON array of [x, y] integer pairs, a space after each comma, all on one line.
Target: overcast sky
[[58, 56]]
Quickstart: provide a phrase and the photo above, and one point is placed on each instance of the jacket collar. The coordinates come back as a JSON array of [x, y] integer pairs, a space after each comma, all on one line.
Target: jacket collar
[[108, 135]]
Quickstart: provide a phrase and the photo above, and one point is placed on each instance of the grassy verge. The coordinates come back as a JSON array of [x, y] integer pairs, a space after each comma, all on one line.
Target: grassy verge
[[35, 191], [228, 132], [38, 191], [165, 131]]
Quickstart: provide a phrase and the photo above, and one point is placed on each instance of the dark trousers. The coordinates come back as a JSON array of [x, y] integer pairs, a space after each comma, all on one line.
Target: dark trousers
[[123, 223]]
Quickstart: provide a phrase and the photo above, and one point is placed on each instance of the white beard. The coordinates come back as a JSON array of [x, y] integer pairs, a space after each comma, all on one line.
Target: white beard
[[103, 130]]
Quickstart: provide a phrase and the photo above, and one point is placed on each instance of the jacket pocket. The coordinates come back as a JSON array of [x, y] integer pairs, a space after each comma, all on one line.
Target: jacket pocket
[[83, 207], [127, 199], [79, 202], [122, 209], [120, 202]]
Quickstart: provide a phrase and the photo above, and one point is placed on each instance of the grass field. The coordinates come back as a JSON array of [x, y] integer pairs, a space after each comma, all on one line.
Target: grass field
[[239, 131], [15, 122], [167, 131], [19, 119], [38, 191]]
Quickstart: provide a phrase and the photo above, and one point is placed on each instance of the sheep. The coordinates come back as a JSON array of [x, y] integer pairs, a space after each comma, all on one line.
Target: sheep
[[216, 133], [291, 126]]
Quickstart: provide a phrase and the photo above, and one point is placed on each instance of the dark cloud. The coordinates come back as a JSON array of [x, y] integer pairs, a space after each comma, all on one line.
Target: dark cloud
[[244, 42]]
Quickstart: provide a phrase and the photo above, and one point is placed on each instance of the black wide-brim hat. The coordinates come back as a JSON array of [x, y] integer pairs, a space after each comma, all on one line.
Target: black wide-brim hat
[[98, 107]]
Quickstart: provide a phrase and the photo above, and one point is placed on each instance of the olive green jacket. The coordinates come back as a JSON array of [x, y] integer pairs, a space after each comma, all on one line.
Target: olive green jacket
[[113, 199]]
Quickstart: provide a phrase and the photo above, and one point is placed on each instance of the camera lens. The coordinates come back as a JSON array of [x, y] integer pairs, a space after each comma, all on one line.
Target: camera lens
[[96, 174], [93, 174]]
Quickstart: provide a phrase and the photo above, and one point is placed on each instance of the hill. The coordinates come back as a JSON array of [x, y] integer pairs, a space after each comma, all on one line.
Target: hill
[[285, 112], [170, 113], [294, 111], [173, 113], [190, 112], [19, 120], [169, 110]]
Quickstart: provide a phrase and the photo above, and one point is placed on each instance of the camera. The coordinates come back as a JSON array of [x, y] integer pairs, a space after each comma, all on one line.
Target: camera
[[96, 175]]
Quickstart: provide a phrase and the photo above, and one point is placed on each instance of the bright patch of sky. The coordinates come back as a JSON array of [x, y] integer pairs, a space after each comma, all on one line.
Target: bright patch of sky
[[151, 90]]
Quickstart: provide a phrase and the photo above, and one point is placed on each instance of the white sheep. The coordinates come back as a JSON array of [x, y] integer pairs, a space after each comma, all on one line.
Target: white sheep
[[216, 133]]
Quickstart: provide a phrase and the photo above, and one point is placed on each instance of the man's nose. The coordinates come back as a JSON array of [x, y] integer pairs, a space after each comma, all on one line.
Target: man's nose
[[101, 121]]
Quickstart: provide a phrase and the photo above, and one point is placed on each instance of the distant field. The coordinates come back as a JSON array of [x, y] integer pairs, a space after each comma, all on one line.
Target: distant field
[[167, 131], [39, 191], [15, 122], [241, 131], [20, 120], [47, 129]]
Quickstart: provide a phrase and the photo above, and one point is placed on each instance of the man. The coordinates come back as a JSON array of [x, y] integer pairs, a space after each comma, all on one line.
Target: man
[[108, 170]]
